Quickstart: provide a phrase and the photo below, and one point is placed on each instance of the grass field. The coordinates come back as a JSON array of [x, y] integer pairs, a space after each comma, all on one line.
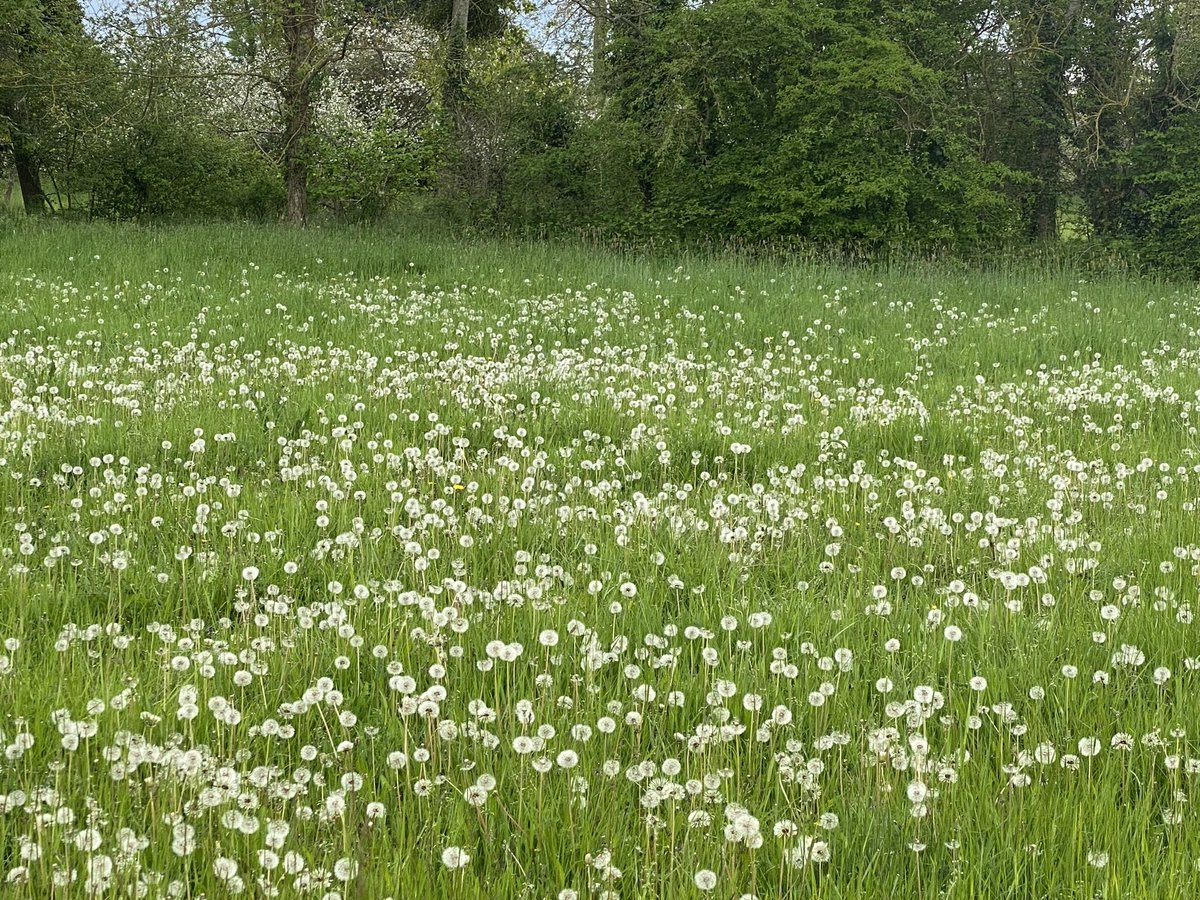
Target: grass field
[[362, 565]]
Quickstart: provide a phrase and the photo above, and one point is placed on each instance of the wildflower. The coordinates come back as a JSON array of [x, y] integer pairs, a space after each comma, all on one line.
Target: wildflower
[[567, 759], [705, 879]]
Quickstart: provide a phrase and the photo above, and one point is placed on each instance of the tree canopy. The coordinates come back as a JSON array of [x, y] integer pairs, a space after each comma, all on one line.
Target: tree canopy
[[855, 123]]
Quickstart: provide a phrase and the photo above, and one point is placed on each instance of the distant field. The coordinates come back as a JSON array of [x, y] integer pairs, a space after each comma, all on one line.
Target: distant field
[[352, 564]]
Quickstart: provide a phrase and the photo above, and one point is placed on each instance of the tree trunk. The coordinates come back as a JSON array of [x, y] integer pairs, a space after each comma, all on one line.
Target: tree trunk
[[460, 12], [29, 178], [599, 43], [295, 167], [299, 21], [1055, 36], [1044, 223], [456, 59], [1047, 159]]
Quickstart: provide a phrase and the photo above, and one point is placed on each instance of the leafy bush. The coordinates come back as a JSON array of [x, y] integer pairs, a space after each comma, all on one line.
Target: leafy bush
[[179, 170], [801, 120], [1162, 220], [362, 173]]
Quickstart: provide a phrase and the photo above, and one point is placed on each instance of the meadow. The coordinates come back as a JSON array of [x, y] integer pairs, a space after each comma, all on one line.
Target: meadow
[[361, 565]]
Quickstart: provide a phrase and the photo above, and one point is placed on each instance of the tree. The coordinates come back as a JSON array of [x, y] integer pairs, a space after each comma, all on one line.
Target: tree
[[598, 10], [42, 51], [370, 147], [298, 20], [462, 22], [1156, 179], [801, 119], [1037, 40], [291, 45]]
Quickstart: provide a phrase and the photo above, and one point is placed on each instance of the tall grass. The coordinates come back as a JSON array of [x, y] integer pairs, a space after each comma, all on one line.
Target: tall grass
[[335, 559]]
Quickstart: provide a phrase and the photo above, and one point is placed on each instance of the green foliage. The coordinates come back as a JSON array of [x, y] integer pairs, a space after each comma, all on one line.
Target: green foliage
[[487, 17], [180, 169], [53, 84], [362, 173], [505, 159], [800, 120], [861, 125], [1162, 222]]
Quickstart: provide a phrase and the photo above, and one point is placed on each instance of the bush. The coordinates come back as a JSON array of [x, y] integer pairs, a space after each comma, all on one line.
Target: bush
[[165, 170], [361, 173], [1162, 220]]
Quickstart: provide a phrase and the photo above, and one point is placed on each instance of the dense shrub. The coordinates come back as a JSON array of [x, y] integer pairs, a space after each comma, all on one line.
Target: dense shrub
[[1162, 222], [181, 170], [361, 173], [801, 120]]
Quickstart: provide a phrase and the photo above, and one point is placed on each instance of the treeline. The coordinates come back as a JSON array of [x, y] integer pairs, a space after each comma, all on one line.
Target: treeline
[[959, 124]]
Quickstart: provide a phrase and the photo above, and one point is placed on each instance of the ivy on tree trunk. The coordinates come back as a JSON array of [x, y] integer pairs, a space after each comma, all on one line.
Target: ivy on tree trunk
[[299, 21]]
